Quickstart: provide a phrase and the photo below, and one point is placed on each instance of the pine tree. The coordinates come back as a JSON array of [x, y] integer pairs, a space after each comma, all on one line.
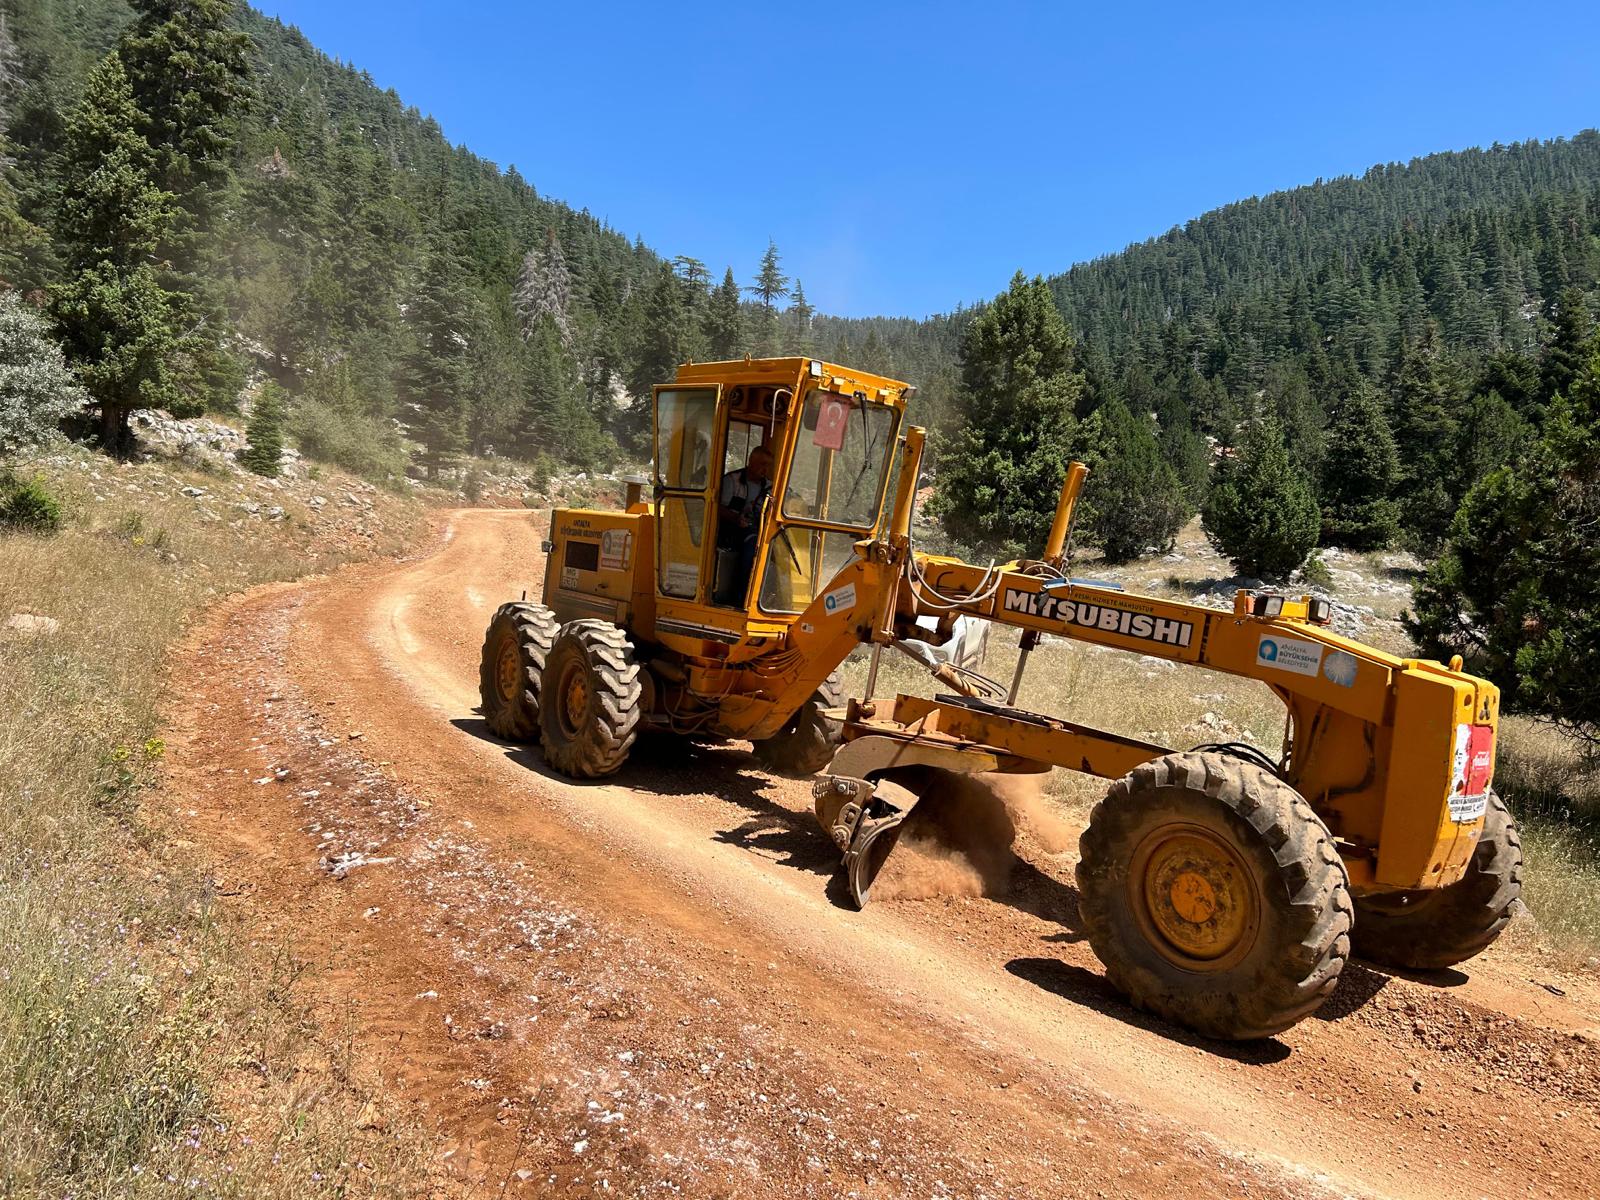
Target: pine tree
[[1001, 472], [37, 392], [874, 355], [188, 67], [555, 421], [1134, 498], [1261, 512], [1513, 588], [1567, 349], [771, 285], [19, 239], [724, 321], [1425, 419], [1359, 476], [434, 375], [116, 320], [664, 346], [189, 71], [694, 273], [544, 289], [800, 316], [263, 452]]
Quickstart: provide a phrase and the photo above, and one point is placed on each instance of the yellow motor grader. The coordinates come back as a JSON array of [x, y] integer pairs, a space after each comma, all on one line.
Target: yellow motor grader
[[1221, 888]]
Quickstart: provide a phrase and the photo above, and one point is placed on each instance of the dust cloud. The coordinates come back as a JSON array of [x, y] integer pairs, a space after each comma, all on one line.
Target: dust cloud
[[958, 841]]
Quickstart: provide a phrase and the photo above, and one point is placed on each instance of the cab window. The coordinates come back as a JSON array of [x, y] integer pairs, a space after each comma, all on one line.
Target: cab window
[[840, 458]]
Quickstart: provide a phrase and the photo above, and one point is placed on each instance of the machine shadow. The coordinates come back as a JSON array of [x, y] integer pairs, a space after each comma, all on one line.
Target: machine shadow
[[676, 767], [1091, 990]]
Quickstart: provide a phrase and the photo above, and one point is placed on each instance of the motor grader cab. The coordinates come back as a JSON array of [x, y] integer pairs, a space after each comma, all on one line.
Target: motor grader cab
[[1221, 887]]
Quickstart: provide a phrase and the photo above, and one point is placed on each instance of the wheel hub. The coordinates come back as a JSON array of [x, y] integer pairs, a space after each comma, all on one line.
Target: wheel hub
[[508, 671], [575, 700], [1195, 897]]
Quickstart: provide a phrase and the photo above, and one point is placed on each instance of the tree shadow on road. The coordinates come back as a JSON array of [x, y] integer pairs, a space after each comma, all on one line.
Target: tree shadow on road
[[673, 766]]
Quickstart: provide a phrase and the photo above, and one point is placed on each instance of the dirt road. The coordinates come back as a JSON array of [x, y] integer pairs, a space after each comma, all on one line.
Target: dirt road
[[649, 987]]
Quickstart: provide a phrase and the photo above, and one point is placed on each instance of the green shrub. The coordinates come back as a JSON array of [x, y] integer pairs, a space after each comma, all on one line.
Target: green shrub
[[1513, 589], [28, 506], [362, 445], [1315, 571], [37, 391]]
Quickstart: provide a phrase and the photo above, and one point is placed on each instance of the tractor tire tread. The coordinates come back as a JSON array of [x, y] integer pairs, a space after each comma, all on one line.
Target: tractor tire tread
[[611, 726], [1281, 986], [1462, 920], [534, 627], [807, 741]]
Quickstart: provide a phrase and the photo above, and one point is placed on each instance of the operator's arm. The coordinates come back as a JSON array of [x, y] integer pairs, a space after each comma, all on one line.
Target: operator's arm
[[725, 510]]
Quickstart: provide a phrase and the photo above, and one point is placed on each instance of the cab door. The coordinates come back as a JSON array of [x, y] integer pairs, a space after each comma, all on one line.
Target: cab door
[[686, 458]]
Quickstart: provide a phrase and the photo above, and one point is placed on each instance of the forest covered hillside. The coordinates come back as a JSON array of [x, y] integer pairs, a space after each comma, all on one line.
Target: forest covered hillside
[[375, 270], [418, 303]]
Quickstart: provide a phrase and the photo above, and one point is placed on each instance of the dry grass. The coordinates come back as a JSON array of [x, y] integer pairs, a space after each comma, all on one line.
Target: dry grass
[[143, 1048], [1554, 791]]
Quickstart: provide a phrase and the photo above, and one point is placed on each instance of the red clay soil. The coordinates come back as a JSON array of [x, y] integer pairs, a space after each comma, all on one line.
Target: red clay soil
[[649, 986]]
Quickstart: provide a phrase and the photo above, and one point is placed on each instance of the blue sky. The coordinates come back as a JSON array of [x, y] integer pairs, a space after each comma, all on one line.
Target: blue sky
[[907, 158]]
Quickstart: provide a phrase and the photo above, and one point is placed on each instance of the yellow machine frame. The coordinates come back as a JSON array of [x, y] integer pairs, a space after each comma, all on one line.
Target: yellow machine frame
[[1374, 742]]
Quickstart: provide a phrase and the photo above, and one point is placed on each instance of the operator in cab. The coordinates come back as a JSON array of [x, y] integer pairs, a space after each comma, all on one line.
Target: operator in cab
[[739, 503]]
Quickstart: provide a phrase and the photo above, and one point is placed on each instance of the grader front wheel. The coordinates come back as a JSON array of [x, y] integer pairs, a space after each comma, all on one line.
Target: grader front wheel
[[1439, 928], [1214, 896]]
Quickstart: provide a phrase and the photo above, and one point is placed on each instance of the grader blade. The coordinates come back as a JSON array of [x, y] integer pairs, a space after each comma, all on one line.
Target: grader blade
[[864, 820]]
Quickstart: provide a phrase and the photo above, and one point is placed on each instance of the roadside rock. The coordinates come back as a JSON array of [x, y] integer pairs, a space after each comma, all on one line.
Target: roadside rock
[[26, 624]]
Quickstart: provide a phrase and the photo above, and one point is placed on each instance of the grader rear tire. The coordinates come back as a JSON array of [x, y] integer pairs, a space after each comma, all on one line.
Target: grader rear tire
[[807, 741], [592, 700], [514, 650], [1429, 930], [1213, 895]]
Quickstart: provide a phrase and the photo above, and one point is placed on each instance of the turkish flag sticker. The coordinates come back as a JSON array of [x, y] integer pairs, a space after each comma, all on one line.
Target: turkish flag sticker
[[832, 422]]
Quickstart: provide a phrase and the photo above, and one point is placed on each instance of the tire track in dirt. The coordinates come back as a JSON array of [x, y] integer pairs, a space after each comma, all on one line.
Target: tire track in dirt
[[775, 1043]]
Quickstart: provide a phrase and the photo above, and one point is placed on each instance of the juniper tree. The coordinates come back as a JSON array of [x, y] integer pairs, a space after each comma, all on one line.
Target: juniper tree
[[1135, 499], [1000, 472], [37, 392], [117, 321], [1513, 587]]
